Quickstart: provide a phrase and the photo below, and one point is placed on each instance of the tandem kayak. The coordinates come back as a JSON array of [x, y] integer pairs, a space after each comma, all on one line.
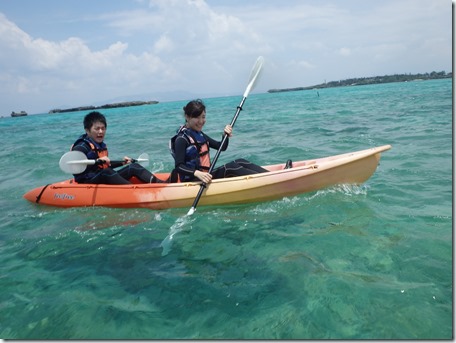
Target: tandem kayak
[[303, 176]]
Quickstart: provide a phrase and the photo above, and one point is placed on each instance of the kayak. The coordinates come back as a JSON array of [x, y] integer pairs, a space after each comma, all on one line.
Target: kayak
[[303, 176]]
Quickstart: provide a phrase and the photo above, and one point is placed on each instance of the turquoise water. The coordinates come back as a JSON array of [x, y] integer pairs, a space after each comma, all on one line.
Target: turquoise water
[[350, 262]]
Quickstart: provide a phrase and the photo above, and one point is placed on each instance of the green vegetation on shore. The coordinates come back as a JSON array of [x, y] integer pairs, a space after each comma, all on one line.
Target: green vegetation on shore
[[115, 105], [371, 80]]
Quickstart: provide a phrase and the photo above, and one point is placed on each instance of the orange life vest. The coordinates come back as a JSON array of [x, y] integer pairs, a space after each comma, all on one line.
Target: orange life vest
[[96, 150]]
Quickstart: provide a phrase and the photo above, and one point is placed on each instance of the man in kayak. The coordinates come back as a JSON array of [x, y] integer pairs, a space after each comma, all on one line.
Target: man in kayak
[[92, 145], [190, 149]]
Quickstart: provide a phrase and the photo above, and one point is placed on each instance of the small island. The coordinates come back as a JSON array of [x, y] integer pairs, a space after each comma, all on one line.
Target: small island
[[114, 105], [371, 80]]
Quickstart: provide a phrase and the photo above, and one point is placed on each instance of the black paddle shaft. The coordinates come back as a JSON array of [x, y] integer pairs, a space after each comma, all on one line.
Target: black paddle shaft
[[211, 168], [99, 161]]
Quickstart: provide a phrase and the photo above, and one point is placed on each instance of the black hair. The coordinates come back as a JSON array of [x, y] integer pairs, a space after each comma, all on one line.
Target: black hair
[[194, 108], [93, 117]]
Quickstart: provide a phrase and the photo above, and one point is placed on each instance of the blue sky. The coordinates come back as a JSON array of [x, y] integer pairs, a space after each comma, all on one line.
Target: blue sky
[[56, 53]]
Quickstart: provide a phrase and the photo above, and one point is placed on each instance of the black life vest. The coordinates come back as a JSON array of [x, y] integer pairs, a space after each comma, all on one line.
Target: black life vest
[[96, 151], [197, 154]]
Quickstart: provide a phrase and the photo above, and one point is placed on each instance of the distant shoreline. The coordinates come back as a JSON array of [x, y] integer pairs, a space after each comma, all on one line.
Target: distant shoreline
[[370, 81], [114, 105]]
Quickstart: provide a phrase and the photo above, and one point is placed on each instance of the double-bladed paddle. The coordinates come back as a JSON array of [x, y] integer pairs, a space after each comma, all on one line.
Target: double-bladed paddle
[[252, 80], [179, 224], [75, 162]]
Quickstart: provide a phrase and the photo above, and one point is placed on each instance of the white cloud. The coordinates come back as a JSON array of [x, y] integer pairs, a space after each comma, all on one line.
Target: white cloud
[[69, 70], [344, 52], [208, 47], [303, 64], [164, 44]]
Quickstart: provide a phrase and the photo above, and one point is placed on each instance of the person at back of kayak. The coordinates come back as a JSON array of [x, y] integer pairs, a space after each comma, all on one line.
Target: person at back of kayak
[[190, 149], [92, 145]]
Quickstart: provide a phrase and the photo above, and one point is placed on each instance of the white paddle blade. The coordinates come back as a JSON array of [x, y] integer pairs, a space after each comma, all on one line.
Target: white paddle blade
[[143, 159], [254, 75], [191, 211], [73, 162]]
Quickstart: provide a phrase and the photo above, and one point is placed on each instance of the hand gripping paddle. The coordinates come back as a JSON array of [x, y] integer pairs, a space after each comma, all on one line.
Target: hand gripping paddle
[[75, 162]]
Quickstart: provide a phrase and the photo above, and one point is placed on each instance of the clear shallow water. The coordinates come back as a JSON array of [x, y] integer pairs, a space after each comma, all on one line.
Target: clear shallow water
[[368, 262]]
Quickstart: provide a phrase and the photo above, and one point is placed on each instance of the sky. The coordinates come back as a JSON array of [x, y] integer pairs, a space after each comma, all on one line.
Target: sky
[[61, 54]]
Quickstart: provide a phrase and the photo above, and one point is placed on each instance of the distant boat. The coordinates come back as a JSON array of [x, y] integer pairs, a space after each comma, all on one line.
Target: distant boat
[[18, 114]]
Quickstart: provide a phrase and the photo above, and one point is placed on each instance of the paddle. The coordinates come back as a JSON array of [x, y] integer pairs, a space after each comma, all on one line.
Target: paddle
[[252, 80], [75, 162]]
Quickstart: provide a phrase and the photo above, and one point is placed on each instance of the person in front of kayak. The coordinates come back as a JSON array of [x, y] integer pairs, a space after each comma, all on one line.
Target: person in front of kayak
[[190, 149], [92, 145]]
